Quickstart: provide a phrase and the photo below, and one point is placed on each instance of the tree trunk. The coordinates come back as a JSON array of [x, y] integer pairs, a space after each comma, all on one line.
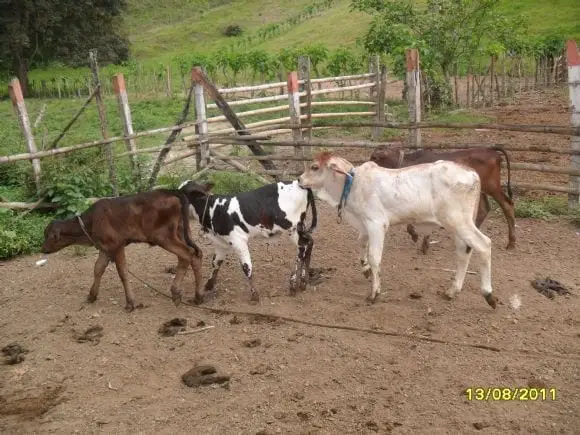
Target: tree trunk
[[20, 67]]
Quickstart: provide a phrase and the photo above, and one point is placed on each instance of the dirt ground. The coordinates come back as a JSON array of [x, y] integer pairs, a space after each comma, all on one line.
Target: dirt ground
[[287, 377]]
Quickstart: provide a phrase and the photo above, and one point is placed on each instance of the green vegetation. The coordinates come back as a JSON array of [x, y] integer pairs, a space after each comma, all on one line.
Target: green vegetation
[[20, 236], [546, 207]]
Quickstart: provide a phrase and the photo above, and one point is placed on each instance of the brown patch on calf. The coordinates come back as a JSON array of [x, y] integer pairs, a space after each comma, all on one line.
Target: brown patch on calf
[[323, 157], [485, 161]]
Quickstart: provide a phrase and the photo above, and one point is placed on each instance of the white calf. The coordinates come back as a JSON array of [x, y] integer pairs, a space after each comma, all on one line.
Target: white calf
[[373, 198]]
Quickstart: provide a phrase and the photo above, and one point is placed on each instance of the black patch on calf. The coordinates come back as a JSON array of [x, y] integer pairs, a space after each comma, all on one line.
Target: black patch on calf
[[238, 222], [246, 269], [257, 207]]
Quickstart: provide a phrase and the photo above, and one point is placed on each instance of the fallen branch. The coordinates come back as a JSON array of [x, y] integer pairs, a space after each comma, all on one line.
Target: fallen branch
[[195, 331]]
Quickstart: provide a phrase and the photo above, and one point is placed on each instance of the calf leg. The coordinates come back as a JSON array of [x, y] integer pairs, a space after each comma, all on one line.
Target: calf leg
[[302, 264], [426, 243], [462, 257], [216, 264], [375, 255], [412, 232], [241, 248], [100, 267], [482, 211], [507, 206], [120, 263], [185, 256], [480, 243], [363, 240]]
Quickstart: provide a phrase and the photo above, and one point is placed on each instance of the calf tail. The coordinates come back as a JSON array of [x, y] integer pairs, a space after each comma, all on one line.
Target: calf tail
[[311, 203], [507, 161], [185, 217]]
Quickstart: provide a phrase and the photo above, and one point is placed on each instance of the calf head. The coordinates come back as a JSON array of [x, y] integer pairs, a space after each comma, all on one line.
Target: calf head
[[195, 190], [56, 237], [325, 172], [388, 157]]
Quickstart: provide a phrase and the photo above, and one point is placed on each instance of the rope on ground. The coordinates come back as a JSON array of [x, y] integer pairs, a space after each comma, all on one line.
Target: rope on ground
[[274, 317]]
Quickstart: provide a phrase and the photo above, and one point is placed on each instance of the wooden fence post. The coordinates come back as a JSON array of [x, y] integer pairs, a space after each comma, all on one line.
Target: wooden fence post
[[374, 69], [294, 108], [201, 128], [304, 74], [381, 87], [15, 91], [125, 111], [574, 89], [414, 95], [103, 120]]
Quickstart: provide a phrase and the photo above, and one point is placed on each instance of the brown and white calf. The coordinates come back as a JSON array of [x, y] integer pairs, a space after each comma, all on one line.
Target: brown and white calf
[[485, 161], [159, 218], [373, 198]]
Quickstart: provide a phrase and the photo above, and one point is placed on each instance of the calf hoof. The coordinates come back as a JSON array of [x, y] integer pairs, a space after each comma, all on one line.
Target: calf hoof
[[425, 247], [91, 298], [197, 299], [491, 300], [176, 297], [415, 237], [209, 285], [254, 298], [303, 284], [372, 299], [447, 295], [511, 245], [130, 307]]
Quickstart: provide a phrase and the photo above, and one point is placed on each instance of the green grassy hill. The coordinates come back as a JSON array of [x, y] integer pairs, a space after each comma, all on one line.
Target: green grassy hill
[[159, 33], [163, 29]]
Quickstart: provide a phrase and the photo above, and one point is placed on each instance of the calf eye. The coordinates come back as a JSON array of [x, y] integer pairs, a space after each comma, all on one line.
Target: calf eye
[[314, 167]]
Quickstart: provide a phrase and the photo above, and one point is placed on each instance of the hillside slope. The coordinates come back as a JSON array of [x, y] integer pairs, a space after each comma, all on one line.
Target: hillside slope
[[158, 33]]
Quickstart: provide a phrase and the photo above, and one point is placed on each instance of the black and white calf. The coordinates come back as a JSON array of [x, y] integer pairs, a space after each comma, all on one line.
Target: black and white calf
[[231, 220]]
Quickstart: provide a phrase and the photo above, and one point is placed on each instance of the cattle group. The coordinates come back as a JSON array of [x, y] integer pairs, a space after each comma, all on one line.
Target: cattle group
[[448, 190]]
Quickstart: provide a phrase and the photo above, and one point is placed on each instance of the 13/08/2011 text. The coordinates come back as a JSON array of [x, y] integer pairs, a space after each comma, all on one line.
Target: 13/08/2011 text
[[510, 394]]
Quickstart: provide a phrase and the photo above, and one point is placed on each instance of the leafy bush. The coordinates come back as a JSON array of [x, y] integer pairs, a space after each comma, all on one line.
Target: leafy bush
[[233, 30], [226, 182], [21, 235]]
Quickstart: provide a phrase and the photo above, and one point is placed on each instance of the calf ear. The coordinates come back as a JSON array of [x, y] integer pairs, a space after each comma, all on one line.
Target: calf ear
[[208, 186], [335, 168]]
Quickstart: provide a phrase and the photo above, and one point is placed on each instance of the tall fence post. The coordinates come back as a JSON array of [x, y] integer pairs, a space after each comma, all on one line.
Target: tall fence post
[[381, 87], [574, 89], [125, 111], [374, 69], [294, 107], [201, 128], [304, 74], [15, 91], [414, 95], [103, 120]]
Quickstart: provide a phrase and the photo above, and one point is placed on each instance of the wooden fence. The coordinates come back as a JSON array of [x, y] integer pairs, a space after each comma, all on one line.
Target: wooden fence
[[298, 94]]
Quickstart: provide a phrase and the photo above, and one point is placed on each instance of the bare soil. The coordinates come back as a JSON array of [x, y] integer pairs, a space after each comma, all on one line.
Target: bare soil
[[93, 368]]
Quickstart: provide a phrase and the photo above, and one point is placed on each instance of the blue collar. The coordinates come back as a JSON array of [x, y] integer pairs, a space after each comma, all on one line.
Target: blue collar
[[345, 191]]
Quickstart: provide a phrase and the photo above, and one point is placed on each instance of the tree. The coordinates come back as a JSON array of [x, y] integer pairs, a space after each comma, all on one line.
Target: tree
[[446, 32], [34, 33]]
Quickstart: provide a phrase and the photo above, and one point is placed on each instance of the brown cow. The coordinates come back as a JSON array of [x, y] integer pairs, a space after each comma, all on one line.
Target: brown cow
[[159, 217], [485, 161]]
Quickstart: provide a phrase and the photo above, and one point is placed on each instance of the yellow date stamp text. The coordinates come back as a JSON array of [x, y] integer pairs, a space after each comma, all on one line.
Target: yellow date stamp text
[[506, 394]]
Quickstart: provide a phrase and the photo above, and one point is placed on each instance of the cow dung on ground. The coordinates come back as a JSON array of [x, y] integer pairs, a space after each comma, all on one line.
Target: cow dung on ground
[[172, 327], [550, 287], [14, 353], [204, 374], [92, 334]]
